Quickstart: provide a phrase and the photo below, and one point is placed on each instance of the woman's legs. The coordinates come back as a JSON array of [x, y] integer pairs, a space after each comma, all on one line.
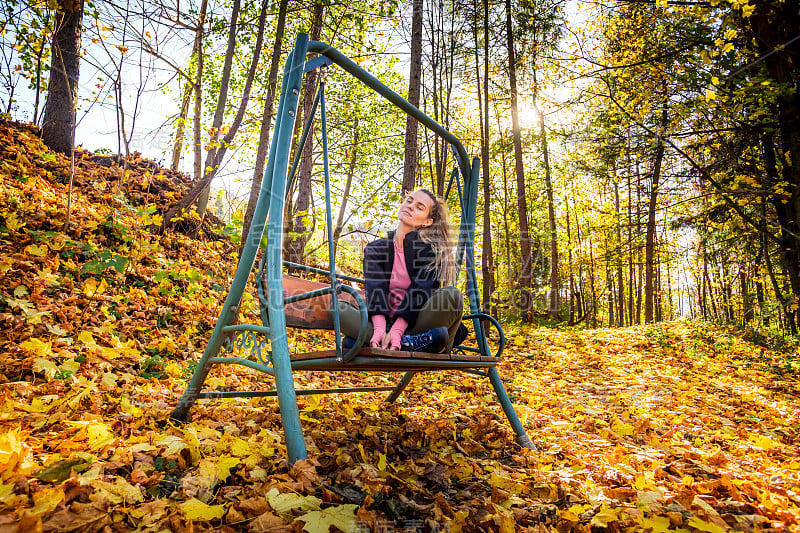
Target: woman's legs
[[350, 320], [443, 309]]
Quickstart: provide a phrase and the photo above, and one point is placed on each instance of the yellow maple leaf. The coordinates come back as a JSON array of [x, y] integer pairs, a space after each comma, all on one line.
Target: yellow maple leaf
[[657, 524], [45, 366], [702, 525], [173, 443], [13, 223], [283, 503], [504, 483], [120, 491], [604, 516], [91, 287], [764, 442], [46, 500], [36, 250], [70, 365], [620, 428], [194, 509], [340, 516], [381, 461], [647, 497], [224, 465], [99, 435], [86, 338]]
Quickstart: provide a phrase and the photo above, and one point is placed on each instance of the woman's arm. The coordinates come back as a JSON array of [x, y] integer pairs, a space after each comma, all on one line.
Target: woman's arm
[[420, 260], [377, 272]]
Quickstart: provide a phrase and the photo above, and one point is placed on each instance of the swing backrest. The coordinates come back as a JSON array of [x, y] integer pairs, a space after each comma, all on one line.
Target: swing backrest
[[313, 312]]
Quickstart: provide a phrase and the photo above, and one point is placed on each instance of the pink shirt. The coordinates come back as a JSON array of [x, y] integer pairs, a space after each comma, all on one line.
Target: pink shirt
[[399, 282]]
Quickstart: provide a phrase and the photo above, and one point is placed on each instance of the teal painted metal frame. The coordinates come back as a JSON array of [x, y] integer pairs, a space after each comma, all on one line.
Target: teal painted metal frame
[[269, 216]]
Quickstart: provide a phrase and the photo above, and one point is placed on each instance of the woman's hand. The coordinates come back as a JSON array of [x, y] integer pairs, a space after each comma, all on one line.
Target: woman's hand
[[377, 338], [396, 333], [383, 341], [386, 342], [378, 330]]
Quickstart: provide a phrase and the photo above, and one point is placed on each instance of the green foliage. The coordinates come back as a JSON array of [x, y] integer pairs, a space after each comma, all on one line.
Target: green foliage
[[233, 229], [153, 367], [771, 339], [103, 260]]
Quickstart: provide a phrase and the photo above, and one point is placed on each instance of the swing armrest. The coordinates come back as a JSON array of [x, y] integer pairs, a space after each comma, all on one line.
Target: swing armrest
[[476, 317]]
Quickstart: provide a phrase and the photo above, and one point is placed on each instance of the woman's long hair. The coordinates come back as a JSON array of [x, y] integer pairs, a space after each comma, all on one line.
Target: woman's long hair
[[439, 236]]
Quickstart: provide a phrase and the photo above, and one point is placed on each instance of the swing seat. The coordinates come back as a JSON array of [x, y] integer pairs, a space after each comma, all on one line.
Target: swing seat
[[289, 301], [312, 313]]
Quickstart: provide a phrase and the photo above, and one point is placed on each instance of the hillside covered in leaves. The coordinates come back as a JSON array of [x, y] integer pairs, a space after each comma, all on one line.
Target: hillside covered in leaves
[[679, 426]]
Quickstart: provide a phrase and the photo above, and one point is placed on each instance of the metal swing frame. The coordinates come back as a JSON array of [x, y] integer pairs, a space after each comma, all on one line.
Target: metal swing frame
[[277, 361]]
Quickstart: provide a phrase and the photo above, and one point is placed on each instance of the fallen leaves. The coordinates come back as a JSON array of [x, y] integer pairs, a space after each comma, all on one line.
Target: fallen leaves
[[675, 427]]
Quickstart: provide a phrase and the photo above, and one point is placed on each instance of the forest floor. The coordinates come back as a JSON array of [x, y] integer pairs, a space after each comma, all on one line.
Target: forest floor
[[681, 426]]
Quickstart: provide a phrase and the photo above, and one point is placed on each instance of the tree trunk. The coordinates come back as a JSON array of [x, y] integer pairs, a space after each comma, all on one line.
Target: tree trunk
[[487, 257], [200, 190], [610, 289], [778, 292], [701, 285], [747, 306], [727, 299], [571, 276], [414, 82], [297, 243], [198, 100], [591, 277], [434, 65], [526, 300], [620, 279], [58, 125], [702, 295], [707, 278], [668, 306], [659, 317], [210, 169], [758, 280], [197, 50], [631, 283], [506, 202], [639, 289], [266, 123], [649, 278], [771, 35], [337, 232], [551, 217]]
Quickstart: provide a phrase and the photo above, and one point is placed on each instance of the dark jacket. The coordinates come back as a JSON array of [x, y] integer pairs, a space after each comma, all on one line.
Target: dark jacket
[[378, 263]]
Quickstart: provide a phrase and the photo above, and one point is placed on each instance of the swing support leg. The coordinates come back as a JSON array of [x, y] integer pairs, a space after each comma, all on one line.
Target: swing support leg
[[400, 387], [508, 408], [284, 383], [467, 252]]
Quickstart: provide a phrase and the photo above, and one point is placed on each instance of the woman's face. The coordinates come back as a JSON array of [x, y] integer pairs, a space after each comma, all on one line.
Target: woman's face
[[416, 210]]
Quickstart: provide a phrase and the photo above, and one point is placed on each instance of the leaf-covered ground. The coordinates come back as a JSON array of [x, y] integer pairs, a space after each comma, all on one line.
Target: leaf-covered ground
[[674, 427]]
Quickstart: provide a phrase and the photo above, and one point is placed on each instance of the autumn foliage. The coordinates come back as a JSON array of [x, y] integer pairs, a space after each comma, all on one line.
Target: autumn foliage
[[671, 427]]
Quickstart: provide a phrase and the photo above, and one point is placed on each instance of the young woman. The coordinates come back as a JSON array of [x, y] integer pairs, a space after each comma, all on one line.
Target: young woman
[[411, 302]]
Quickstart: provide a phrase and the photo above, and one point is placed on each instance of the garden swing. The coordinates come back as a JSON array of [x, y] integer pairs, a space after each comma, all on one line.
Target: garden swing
[[289, 301]]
